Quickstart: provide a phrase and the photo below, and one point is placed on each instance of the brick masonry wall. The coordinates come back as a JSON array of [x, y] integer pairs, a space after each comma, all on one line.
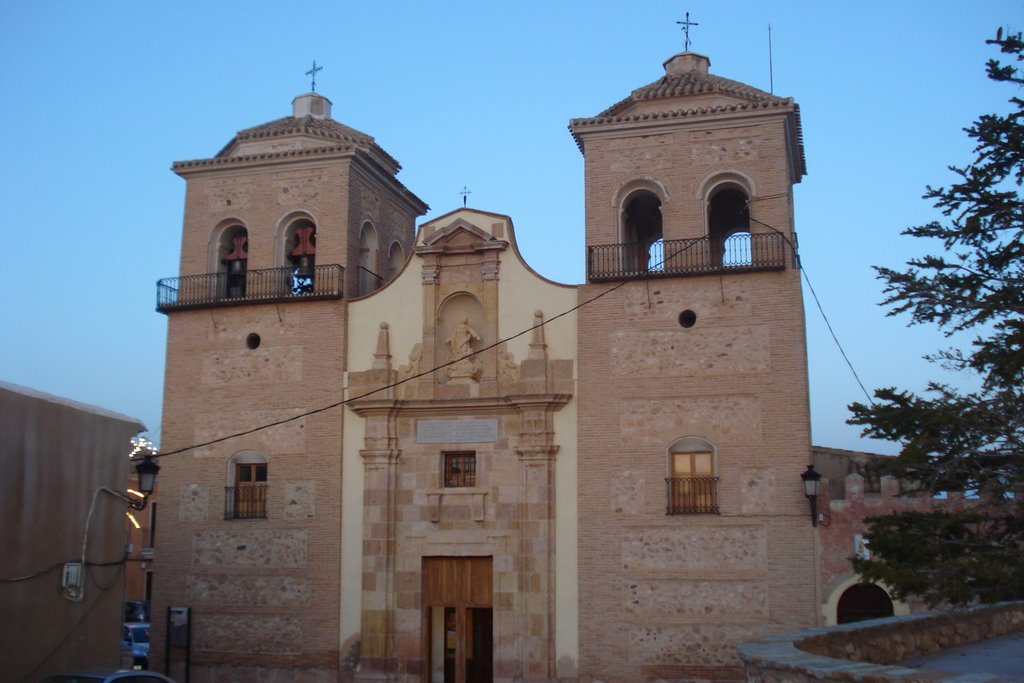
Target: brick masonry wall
[[394, 221], [670, 596], [262, 199], [264, 592]]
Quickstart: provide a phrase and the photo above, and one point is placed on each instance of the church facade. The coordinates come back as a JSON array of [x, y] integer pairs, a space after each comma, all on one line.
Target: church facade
[[445, 467]]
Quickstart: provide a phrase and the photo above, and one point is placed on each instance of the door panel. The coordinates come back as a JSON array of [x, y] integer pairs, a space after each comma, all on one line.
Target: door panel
[[457, 596]]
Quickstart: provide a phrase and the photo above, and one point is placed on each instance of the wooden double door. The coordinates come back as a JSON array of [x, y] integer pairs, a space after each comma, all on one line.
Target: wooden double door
[[458, 610]]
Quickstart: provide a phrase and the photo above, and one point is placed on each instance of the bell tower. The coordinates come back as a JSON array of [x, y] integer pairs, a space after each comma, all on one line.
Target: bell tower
[[694, 419], [273, 249]]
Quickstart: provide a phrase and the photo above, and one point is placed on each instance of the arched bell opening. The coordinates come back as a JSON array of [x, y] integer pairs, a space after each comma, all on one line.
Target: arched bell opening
[[642, 231]]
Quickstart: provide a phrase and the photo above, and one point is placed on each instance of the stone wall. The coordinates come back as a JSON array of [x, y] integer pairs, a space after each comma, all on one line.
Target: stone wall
[[847, 499], [871, 651]]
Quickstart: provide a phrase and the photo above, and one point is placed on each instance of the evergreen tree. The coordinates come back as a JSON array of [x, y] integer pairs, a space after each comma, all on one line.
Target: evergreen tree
[[954, 440]]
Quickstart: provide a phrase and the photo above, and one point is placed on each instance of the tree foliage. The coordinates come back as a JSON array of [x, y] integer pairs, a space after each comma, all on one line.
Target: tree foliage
[[953, 439]]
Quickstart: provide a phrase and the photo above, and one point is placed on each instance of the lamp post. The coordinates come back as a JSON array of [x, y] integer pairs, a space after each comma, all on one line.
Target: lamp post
[[146, 470], [73, 582], [812, 484]]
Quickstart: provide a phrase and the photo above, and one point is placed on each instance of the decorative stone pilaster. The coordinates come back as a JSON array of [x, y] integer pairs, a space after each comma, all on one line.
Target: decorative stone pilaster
[[380, 462], [429, 273], [537, 537], [536, 596], [491, 265]]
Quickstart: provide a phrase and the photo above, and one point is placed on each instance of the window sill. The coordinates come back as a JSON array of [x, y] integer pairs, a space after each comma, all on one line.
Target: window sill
[[435, 498]]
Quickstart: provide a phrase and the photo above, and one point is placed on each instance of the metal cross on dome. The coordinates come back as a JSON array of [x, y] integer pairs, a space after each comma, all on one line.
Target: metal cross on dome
[[686, 24], [312, 74], [465, 192]]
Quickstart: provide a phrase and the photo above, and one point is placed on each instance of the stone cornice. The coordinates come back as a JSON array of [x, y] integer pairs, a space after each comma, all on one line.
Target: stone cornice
[[192, 167], [784, 106], [183, 168], [466, 406]]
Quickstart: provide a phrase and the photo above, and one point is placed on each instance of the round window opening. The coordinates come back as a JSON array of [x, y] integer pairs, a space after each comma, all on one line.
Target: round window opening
[[253, 341], [687, 318]]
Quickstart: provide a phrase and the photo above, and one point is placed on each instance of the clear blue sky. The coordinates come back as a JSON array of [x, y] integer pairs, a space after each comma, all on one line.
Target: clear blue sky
[[100, 98]]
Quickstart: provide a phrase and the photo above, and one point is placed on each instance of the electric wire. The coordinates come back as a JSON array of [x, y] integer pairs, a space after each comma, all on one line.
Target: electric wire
[[817, 302], [74, 627], [543, 323], [336, 404]]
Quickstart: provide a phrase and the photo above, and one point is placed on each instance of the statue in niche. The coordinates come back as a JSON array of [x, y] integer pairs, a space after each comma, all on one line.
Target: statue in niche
[[461, 341], [465, 368]]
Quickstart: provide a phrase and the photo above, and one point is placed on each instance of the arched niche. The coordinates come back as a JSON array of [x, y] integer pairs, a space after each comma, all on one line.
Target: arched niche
[[369, 248], [396, 259], [458, 333]]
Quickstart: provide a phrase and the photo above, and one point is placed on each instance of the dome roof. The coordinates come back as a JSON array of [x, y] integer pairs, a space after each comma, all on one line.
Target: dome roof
[[308, 125], [692, 83], [309, 131]]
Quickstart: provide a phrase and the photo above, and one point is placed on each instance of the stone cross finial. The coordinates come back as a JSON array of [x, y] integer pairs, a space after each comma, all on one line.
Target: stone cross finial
[[312, 73], [686, 24]]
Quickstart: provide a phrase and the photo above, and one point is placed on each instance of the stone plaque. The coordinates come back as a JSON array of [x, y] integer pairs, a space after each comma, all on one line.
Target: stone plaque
[[457, 431]]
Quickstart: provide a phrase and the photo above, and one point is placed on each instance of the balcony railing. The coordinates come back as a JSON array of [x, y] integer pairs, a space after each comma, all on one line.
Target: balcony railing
[[742, 252], [245, 502], [265, 285], [692, 496]]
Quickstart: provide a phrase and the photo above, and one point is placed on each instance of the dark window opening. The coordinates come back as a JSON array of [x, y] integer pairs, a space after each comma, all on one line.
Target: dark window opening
[[235, 261], [301, 246], [687, 318], [459, 469], [643, 230], [863, 601], [729, 227]]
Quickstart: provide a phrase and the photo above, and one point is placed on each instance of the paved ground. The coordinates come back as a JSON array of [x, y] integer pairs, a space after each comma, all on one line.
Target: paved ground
[[1003, 656]]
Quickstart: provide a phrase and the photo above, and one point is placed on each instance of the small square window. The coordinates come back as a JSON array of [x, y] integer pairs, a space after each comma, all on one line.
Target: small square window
[[459, 469]]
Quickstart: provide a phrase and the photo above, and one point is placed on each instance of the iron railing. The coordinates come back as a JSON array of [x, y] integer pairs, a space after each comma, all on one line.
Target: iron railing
[[742, 252], [254, 286], [692, 495], [248, 501]]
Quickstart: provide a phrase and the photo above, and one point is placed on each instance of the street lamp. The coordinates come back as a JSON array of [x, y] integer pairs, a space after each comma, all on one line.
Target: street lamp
[[146, 470], [812, 484], [73, 578]]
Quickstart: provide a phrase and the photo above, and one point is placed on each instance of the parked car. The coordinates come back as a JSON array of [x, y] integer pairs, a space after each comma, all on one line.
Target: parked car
[[136, 638], [135, 610], [109, 676]]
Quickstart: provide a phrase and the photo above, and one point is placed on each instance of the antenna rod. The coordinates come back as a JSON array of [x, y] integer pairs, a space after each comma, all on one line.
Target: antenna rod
[[771, 72]]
